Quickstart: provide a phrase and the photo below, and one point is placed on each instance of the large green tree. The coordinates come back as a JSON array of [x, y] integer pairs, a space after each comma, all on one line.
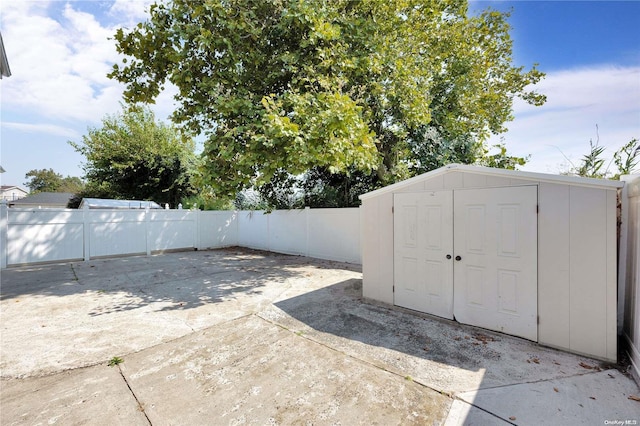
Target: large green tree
[[132, 156], [47, 180], [286, 86]]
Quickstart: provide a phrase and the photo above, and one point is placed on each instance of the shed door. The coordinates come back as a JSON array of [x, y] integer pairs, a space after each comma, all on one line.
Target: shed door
[[494, 233], [423, 239], [496, 279]]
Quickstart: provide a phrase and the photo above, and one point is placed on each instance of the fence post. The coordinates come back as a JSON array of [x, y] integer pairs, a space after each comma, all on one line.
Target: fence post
[[4, 230], [147, 229], [86, 232], [196, 235], [269, 232], [307, 212]]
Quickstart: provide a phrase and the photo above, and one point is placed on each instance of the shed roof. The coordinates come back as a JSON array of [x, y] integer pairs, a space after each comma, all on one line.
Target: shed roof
[[102, 203], [516, 174], [47, 199]]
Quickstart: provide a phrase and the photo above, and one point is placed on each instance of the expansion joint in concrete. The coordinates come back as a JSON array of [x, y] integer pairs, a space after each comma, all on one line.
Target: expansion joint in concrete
[[355, 358], [75, 275], [140, 406], [506, 421]]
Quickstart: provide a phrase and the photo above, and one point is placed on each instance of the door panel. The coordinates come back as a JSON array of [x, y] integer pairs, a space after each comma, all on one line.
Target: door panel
[[423, 237], [495, 279]]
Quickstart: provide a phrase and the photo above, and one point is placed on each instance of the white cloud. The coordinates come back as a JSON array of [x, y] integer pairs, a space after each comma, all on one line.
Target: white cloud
[[50, 129], [60, 58], [135, 10], [577, 101]]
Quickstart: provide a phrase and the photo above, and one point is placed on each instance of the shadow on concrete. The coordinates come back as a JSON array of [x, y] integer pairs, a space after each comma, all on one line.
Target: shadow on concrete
[[339, 310], [442, 354], [175, 281]]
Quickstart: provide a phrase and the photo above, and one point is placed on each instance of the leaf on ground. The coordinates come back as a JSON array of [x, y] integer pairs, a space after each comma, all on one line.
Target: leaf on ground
[[634, 398], [483, 338], [512, 418], [589, 367], [556, 390]]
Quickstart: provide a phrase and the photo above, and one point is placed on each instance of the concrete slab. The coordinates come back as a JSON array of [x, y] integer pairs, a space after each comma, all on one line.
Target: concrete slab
[[245, 336], [593, 398], [89, 312], [250, 371], [95, 395]]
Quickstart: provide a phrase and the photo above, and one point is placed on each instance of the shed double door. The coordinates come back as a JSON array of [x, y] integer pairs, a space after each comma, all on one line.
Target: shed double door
[[469, 255]]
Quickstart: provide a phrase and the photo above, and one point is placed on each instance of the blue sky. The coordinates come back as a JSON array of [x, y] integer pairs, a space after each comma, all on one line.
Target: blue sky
[[59, 56]]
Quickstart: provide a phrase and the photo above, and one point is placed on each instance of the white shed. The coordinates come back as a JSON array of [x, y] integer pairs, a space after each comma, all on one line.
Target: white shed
[[528, 254]]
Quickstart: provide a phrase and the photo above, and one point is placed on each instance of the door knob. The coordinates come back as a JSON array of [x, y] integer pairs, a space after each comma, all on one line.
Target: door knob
[[448, 256], [458, 258]]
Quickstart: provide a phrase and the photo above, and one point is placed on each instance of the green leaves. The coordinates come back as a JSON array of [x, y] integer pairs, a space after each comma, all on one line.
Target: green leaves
[[288, 85], [133, 157], [46, 180]]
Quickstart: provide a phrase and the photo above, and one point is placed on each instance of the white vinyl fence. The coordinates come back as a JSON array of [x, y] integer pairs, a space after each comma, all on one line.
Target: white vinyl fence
[[56, 235], [629, 271]]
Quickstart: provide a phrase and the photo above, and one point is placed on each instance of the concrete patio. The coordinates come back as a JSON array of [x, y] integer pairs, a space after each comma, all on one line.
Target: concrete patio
[[237, 336]]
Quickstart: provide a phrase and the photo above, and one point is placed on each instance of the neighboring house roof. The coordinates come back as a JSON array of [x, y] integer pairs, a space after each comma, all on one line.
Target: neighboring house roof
[[44, 199], [517, 174], [10, 187], [11, 192], [101, 203], [4, 63]]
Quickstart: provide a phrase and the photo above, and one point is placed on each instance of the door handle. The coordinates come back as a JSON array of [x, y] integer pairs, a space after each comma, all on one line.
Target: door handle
[[448, 256], [458, 258]]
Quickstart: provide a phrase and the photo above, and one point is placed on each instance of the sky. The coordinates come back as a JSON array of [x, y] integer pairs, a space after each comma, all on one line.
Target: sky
[[59, 53]]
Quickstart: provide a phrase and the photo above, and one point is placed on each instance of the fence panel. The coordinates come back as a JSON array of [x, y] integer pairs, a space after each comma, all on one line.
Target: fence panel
[[117, 232], [172, 229], [334, 234], [44, 236], [253, 229], [288, 231], [629, 269], [218, 229]]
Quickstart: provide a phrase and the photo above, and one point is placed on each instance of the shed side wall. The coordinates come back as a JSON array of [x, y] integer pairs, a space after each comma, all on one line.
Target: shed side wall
[[377, 248], [553, 265], [588, 271]]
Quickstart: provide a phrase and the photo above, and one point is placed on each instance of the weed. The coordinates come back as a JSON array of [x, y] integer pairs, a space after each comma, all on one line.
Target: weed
[[115, 361]]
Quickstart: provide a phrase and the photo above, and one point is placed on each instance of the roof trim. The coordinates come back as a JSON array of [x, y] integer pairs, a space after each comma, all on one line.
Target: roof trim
[[8, 187], [5, 71], [517, 174]]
